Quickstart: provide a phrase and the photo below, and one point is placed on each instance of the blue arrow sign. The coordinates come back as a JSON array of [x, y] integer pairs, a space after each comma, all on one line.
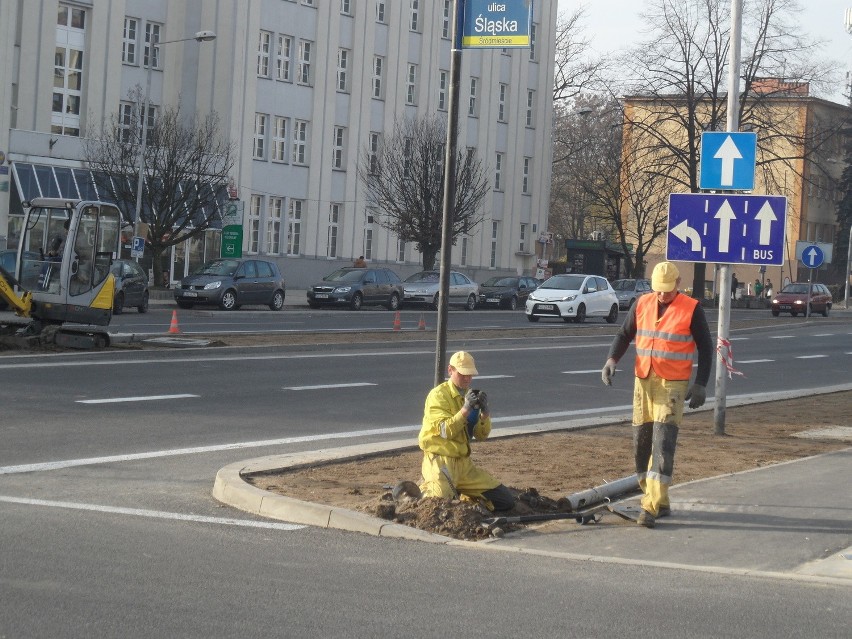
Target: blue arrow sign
[[812, 256], [726, 229], [727, 161]]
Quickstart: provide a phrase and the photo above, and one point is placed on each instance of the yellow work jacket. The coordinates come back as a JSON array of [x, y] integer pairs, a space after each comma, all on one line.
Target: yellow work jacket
[[664, 345], [444, 430]]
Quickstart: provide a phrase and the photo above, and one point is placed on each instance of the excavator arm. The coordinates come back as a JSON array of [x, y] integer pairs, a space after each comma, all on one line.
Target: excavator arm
[[21, 304]]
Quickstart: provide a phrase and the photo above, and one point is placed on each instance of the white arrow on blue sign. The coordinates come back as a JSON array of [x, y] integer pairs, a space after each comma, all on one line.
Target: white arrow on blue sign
[[727, 161], [726, 229], [812, 256]]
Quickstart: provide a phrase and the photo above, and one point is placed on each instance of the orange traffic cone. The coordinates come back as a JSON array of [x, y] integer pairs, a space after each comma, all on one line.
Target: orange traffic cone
[[174, 326], [397, 325], [422, 325]]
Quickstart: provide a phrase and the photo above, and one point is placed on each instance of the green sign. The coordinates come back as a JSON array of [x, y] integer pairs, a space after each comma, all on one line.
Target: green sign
[[232, 241]]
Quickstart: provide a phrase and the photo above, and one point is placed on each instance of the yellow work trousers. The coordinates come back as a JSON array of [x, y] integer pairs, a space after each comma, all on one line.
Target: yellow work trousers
[[455, 477], [657, 414]]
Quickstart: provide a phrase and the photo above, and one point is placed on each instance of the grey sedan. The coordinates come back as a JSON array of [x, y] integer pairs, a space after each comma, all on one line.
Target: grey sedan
[[422, 288]]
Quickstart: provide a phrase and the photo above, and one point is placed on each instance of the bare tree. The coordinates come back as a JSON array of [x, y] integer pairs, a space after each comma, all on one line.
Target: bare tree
[[187, 164], [577, 69], [679, 79], [404, 180]]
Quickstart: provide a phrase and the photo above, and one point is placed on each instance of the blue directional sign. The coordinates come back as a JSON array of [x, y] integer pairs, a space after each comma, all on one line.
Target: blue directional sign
[[496, 24], [726, 229], [812, 256], [727, 161]]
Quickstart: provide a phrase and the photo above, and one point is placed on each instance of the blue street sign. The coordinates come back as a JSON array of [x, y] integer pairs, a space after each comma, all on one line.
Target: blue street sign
[[137, 249], [496, 24], [812, 256], [726, 229], [727, 161]]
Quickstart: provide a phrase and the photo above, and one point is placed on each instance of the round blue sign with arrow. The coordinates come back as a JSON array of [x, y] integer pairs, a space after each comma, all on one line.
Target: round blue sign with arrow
[[812, 256]]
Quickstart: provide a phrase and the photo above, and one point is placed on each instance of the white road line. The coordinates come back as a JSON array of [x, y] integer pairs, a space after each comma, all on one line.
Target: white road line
[[781, 336], [738, 339], [157, 514], [325, 386], [824, 335], [754, 361], [143, 398], [478, 377], [810, 356], [591, 370]]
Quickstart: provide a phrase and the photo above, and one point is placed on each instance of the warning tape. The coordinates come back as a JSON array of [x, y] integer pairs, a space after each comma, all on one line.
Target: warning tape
[[726, 354]]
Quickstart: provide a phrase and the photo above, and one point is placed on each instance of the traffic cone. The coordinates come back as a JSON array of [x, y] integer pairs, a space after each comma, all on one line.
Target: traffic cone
[[422, 325], [174, 326], [397, 325]]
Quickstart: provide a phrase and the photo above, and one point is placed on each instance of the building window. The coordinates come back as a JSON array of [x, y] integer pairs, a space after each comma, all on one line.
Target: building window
[[128, 43], [273, 226], [308, 3], [463, 257], [333, 229], [264, 41], [283, 57], [445, 19], [378, 73], [294, 226], [254, 223], [338, 147], [305, 54], [501, 102], [414, 24], [443, 79], [71, 17], [342, 69], [498, 172], [472, 107], [346, 7], [400, 250], [367, 250], [525, 183], [300, 142], [533, 43], [495, 233], [530, 119], [260, 120], [68, 71], [380, 11], [130, 124], [522, 243], [151, 53], [279, 140], [374, 144], [411, 85]]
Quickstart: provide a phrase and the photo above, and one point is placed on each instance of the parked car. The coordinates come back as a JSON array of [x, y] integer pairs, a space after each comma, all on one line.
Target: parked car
[[32, 268], [628, 291], [506, 292], [230, 283], [354, 287], [423, 287], [131, 286], [794, 297], [573, 297]]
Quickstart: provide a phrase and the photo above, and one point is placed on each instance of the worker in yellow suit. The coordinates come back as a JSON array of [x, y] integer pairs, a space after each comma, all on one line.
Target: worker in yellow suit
[[453, 416]]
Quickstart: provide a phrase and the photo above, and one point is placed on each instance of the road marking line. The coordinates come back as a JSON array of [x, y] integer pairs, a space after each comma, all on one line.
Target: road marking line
[[824, 335], [494, 376], [143, 398], [324, 386], [810, 356], [781, 337], [156, 514], [754, 361], [591, 370]]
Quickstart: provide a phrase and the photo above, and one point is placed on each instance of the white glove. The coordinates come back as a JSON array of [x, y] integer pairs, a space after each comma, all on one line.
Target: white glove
[[608, 372]]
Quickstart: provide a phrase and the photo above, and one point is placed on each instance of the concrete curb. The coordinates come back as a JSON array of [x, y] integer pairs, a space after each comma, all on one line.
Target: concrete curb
[[231, 488]]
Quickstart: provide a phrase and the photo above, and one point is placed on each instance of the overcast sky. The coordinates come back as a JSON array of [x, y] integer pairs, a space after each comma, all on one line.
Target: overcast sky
[[615, 24]]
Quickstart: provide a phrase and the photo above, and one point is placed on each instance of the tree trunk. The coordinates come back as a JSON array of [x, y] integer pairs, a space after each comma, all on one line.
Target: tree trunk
[[157, 266], [429, 258]]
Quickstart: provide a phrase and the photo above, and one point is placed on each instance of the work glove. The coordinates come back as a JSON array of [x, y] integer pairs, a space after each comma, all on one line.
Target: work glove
[[696, 395], [608, 372], [483, 403], [471, 402]]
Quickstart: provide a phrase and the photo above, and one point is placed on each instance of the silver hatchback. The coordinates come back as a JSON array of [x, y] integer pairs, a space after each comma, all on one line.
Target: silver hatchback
[[423, 288]]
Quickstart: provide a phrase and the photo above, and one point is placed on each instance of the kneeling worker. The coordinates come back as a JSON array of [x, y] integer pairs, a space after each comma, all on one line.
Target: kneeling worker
[[453, 416]]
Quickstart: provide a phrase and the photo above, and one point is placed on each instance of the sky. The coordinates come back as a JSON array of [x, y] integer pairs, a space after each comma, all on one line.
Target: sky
[[614, 24]]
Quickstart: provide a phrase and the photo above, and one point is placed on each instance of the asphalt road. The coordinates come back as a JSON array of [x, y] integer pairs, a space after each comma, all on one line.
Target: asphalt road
[[108, 527]]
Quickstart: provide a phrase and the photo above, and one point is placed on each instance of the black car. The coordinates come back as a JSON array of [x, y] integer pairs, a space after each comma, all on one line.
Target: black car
[[131, 286], [354, 287], [230, 283], [506, 292]]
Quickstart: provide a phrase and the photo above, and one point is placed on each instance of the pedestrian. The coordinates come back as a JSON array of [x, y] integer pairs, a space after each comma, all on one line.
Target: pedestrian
[[668, 326], [735, 284], [769, 289], [758, 287], [360, 262], [453, 416]]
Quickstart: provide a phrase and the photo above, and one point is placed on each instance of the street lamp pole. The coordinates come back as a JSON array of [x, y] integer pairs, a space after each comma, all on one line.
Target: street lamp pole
[[201, 36]]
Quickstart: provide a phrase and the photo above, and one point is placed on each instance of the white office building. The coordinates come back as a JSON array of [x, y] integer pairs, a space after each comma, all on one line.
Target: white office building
[[300, 87]]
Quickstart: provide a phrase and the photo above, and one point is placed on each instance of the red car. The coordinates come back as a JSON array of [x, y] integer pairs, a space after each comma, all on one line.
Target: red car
[[793, 298]]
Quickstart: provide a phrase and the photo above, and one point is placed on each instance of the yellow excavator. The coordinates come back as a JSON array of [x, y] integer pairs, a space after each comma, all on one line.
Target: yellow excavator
[[62, 290]]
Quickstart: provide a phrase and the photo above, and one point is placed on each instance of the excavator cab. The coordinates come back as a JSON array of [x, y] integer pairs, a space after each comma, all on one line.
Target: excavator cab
[[69, 280]]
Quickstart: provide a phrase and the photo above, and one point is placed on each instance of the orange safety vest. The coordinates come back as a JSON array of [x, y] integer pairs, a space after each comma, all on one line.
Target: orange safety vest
[[665, 344]]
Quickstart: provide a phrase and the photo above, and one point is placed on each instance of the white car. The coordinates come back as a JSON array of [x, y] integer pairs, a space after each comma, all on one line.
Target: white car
[[573, 297]]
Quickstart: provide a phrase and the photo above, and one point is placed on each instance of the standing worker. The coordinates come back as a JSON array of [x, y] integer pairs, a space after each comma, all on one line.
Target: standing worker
[[454, 415], [735, 284], [667, 327], [360, 262]]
